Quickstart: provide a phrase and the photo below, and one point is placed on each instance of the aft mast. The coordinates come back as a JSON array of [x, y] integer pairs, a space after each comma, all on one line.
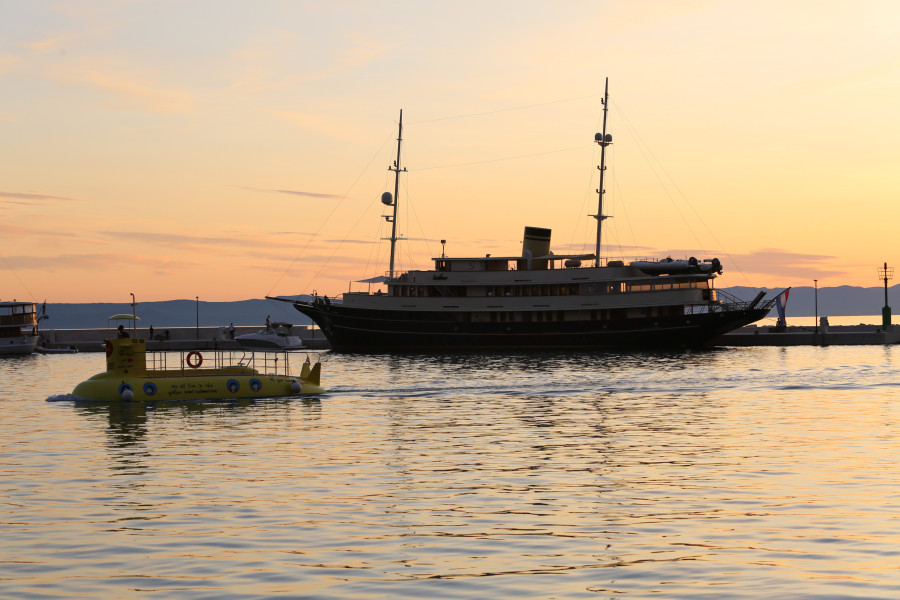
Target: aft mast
[[386, 197], [604, 139]]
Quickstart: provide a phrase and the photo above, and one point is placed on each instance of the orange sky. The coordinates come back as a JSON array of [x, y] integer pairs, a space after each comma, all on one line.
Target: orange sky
[[230, 150]]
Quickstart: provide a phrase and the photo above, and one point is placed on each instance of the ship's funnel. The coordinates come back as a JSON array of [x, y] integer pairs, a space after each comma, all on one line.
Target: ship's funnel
[[536, 243]]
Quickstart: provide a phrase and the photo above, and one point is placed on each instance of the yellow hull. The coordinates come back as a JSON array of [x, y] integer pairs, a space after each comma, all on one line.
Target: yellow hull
[[128, 377], [111, 387]]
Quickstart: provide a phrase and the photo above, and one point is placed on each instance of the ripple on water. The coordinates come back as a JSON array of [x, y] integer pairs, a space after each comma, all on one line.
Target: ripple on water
[[715, 474]]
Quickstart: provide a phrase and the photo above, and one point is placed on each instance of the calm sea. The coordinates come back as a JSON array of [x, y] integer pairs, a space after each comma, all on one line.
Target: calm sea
[[732, 473]]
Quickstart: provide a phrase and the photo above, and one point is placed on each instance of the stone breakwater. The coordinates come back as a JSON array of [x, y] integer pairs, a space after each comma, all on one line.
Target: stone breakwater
[[169, 338], [826, 335]]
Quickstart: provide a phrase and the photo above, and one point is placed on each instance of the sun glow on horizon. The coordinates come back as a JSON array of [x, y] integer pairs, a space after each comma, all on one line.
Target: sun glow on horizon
[[246, 157]]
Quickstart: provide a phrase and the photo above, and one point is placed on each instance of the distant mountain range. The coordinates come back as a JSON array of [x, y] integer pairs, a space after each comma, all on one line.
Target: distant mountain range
[[833, 301], [844, 300], [173, 313]]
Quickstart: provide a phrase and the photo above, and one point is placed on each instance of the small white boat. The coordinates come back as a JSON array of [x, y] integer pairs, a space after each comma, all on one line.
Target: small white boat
[[277, 336], [69, 350]]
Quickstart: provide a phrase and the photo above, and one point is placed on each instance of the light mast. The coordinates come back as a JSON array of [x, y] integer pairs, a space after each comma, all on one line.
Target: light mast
[[388, 200], [885, 273], [604, 139]]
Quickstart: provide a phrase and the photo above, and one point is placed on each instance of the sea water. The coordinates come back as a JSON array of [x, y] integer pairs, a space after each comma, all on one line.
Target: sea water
[[729, 473]]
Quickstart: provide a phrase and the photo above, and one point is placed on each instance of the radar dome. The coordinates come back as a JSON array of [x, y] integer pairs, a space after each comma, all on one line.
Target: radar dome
[[387, 198]]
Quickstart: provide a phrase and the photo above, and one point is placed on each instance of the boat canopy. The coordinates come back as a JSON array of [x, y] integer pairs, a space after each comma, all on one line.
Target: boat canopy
[[123, 317]]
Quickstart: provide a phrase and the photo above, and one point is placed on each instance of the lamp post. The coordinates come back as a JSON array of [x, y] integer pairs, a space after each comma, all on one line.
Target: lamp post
[[816, 283], [133, 314], [197, 298], [885, 273]]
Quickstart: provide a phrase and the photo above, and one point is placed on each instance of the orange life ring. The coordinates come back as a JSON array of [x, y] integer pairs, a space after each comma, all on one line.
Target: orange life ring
[[194, 359]]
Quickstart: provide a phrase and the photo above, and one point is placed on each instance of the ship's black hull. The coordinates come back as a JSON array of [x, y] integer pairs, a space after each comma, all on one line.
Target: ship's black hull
[[354, 330]]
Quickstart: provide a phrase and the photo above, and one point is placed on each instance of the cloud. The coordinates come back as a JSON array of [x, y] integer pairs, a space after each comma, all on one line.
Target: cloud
[[774, 263], [170, 239], [299, 193], [32, 198], [330, 126], [104, 261], [361, 52], [9, 230], [177, 241], [128, 88]]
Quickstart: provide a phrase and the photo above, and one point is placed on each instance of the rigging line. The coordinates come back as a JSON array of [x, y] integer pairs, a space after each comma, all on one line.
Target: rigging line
[[656, 167], [499, 110], [14, 274], [328, 260], [373, 247], [322, 224], [409, 205], [697, 214], [585, 207], [481, 162], [372, 250], [624, 207]]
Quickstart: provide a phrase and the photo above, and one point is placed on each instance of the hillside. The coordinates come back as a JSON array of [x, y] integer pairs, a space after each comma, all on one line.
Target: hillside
[[173, 313], [833, 301]]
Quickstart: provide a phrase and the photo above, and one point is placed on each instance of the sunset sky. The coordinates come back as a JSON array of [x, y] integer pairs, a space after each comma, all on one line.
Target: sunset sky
[[228, 150]]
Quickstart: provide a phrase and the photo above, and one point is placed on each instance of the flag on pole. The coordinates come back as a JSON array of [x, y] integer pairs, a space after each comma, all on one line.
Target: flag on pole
[[780, 305]]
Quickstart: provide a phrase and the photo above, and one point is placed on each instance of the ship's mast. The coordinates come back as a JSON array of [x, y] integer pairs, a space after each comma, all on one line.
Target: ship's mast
[[397, 170], [604, 139]]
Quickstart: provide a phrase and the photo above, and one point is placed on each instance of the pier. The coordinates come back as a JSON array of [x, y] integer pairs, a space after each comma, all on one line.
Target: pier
[[170, 338], [825, 335]]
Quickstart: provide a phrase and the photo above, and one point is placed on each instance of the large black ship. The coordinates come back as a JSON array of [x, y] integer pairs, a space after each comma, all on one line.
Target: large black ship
[[538, 300]]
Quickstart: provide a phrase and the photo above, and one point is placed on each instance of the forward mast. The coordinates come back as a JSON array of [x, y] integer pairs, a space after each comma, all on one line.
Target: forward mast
[[386, 198]]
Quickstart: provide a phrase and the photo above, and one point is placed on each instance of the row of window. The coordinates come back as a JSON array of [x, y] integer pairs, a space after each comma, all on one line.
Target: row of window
[[538, 316], [570, 289]]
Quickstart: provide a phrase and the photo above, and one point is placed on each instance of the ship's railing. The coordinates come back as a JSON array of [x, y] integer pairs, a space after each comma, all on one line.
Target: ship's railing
[[728, 302], [179, 364], [326, 300]]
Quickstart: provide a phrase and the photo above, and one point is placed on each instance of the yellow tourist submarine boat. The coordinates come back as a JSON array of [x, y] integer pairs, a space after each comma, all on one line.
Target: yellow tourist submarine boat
[[133, 373]]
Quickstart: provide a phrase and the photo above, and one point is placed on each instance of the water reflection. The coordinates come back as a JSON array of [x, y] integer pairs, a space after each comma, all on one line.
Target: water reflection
[[127, 422], [672, 475]]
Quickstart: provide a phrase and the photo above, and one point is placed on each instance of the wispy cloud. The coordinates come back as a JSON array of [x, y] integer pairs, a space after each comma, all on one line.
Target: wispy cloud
[[169, 238], [330, 126], [127, 88], [96, 261], [30, 198], [298, 193], [11, 230]]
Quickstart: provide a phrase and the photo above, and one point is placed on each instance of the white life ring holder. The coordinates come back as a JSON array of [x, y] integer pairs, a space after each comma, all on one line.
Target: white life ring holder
[[194, 359]]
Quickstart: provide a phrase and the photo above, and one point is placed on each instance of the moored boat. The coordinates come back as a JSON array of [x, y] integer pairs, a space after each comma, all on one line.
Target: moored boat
[[133, 373], [276, 336], [18, 327], [536, 300]]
